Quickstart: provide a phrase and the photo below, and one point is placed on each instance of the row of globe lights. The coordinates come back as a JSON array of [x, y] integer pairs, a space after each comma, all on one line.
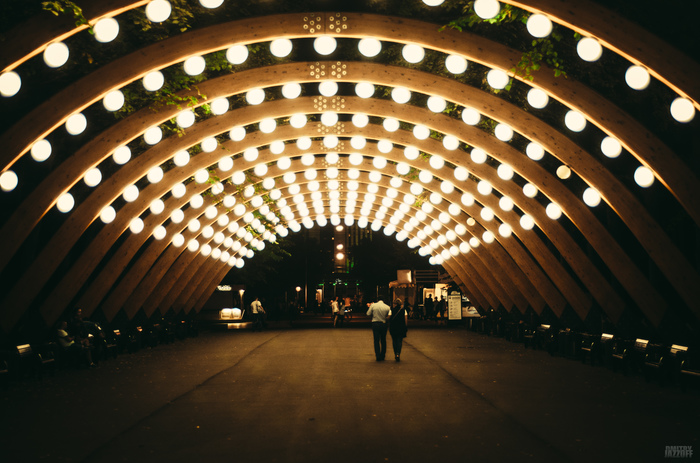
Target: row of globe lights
[[589, 49], [114, 100]]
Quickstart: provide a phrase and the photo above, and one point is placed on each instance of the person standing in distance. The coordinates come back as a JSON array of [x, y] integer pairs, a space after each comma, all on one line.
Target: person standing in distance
[[379, 312], [257, 310], [398, 328]]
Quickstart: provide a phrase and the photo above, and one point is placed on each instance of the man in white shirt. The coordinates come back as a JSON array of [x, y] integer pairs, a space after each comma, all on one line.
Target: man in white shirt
[[380, 312], [258, 312]]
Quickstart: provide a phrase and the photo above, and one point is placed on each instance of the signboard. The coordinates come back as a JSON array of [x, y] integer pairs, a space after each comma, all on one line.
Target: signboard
[[454, 306]]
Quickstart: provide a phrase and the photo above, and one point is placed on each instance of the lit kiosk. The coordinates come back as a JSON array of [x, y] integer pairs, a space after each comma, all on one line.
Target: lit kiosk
[[232, 317]]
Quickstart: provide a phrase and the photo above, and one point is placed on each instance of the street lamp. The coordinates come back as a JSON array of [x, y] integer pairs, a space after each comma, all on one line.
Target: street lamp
[[298, 288], [240, 294]]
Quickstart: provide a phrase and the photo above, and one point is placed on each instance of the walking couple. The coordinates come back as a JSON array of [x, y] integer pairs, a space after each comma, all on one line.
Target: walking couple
[[392, 319]]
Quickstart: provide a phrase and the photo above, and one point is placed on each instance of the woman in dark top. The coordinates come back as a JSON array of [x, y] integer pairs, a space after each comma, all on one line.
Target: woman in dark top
[[397, 327]]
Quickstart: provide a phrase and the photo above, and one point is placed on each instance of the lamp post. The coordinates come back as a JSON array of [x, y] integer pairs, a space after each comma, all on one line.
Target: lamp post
[[298, 289], [240, 293]]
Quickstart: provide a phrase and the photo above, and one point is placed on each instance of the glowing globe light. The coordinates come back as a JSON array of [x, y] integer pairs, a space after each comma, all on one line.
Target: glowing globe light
[[505, 203], [447, 187], [281, 47], [433, 2], [478, 156], [329, 118], [591, 197], [325, 45], [505, 172], [637, 77], [291, 90], [113, 101], [255, 96], [193, 245], [534, 151], [209, 144], [530, 190], [467, 199], [153, 135], [8, 181], [76, 124], [330, 141], [484, 187], [589, 49], [193, 225], [65, 202], [211, 3], [106, 30], [421, 132], [505, 230], [425, 176], [121, 155], [155, 174], [413, 53], [402, 168], [308, 159], [436, 162], [237, 133], [182, 158], [237, 54], [364, 89], [355, 159], [537, 98], [497, 79], [108, 214], [360, 120], [379, 162], [461, 173], [250, 154], [644, 177], [158, 11], [41, 150], [56, 54], [130, 193], [10, 83], [450, 142], [488, 237], [390, 124], [297, 121], [436, 104], [474, 242], [196, 201], [611, 147], [369, 47], [153, 81], [682, 110], [284, 163], [503, 132], [178, 240], [400, 95], [267, 125], [464, 247], [487, 9], [411, 153], [553, 211], [201, 176], [456, 64], [575, 121], [538, 25], [219, 106], [527, 222], [328, 88], [178, 190], [563, 172], [471, 116], [385, 146], [136, 225]]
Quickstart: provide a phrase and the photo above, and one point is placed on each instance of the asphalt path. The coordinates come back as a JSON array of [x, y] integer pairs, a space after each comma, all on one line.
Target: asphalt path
[[316, 394]]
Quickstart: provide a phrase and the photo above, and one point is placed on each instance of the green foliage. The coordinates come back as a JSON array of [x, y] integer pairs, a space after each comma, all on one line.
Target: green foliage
[[541, 50], [59, 7]]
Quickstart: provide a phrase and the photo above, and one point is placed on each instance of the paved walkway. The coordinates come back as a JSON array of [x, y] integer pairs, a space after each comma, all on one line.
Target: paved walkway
[[318, 395]]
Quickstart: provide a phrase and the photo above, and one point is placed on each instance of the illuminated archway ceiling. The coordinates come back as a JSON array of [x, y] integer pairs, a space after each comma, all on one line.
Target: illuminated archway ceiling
[[521, 207]]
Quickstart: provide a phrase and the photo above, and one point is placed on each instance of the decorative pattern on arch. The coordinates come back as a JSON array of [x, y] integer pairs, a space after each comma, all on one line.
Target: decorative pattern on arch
[[520, 271]]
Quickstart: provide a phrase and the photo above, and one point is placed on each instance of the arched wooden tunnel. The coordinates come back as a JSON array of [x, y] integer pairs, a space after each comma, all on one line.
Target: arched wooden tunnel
[[523, 210]]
